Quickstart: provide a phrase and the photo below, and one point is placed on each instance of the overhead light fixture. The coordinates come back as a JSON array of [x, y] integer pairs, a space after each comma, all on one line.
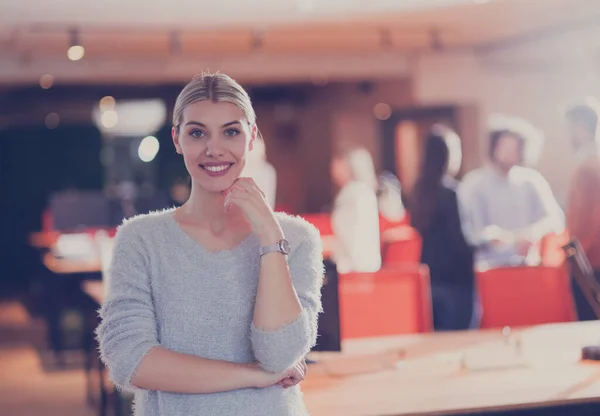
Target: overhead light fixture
[[148, 149], [382, 111], [76, 51], [46, 81], [175, 44], [385, 38], [129, 118], [435, 40], [258, 39], [107, 103], [109, 119]]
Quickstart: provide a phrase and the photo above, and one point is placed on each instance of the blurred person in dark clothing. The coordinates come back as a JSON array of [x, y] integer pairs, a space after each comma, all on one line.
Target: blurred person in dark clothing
[[434, 212]]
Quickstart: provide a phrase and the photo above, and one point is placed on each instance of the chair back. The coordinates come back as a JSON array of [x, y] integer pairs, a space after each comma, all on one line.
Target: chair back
[[522, 296], [392, 301]]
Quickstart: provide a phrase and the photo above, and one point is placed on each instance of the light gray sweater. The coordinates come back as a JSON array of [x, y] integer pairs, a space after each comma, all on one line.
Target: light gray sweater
[[168, 290]]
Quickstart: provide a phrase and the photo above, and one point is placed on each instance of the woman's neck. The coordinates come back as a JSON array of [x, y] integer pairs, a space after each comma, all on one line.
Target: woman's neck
[[205, 206]]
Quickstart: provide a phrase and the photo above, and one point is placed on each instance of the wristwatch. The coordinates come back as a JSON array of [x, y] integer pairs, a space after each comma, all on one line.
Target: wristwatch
[[282, 246]]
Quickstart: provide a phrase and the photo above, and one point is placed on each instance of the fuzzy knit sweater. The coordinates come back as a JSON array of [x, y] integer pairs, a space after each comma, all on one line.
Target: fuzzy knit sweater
[[167, 290]]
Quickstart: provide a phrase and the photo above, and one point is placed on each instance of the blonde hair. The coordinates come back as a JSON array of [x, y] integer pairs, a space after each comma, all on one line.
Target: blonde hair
[[218, 88]]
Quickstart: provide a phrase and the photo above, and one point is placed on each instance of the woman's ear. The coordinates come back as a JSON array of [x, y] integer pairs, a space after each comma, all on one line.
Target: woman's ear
[[253, 135], [175, 136]]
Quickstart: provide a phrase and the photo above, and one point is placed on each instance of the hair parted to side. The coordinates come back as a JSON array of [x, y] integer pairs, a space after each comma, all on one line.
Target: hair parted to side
[[217, 88]]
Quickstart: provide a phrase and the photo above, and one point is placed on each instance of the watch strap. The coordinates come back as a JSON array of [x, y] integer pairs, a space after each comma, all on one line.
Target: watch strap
[[281, 246]]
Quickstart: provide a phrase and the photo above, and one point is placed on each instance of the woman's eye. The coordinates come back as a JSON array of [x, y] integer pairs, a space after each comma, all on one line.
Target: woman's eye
[[197, 133], [232, 132]]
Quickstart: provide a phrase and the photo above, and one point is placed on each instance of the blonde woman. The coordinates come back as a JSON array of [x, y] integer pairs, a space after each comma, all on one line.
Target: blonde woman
[[213, 306]]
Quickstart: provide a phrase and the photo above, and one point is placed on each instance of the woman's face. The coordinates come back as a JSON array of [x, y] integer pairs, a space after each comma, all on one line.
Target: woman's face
[[214, 139]]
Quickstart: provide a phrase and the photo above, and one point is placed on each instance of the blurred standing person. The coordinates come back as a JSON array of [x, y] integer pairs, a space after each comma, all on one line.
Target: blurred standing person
[[355, 216], [434, 213], [389, 198], [263, 173], [509, 207], [583, 209]]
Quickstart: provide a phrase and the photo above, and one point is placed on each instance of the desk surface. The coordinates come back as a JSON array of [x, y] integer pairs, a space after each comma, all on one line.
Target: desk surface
[[445, 373], [71, 266], [456, 372]]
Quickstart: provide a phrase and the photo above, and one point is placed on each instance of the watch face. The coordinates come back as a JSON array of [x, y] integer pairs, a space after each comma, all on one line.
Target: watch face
[[284, 245]]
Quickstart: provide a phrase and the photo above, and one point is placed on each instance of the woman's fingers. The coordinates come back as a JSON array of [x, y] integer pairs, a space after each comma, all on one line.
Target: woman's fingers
[[250, 186]]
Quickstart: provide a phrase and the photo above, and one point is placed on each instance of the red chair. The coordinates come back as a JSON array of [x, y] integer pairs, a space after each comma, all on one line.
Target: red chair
[[402, 247], [522, 296], [385, 224], [391, 301], [322, 221]]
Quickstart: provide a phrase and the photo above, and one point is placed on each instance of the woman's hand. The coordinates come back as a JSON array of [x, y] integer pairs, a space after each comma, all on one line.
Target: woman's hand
[[287, 378], [245, 194], [295, 375]]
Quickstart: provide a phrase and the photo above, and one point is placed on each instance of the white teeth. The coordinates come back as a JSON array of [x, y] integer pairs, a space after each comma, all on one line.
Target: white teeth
[[216, 168]]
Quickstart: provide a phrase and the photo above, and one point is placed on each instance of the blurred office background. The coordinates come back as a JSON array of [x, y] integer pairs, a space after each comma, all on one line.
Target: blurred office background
[[86, 95]]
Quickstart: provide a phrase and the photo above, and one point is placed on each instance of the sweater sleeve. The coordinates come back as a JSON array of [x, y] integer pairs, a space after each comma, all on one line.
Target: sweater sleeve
[[128, 329], [279, 349]]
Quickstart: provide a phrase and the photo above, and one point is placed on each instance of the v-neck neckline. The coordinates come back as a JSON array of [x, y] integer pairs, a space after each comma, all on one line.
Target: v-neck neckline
[[195, 243]]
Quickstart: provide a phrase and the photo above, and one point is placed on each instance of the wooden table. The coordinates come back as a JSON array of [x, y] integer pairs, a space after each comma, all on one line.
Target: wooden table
[[450, 373], [71, 266]]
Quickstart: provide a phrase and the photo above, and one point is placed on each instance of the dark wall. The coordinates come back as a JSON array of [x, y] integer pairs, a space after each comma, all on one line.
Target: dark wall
[[34, 162]]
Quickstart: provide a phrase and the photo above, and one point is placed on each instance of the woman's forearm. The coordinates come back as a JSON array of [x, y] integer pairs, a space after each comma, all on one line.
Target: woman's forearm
[[276, 302], [170, 371]]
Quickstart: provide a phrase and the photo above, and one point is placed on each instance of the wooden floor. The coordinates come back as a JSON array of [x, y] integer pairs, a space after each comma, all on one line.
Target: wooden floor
[[27, 386]]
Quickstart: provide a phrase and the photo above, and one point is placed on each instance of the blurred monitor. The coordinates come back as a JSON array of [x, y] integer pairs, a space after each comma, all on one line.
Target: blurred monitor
[[75, 210], [75, 246], [328, 333]]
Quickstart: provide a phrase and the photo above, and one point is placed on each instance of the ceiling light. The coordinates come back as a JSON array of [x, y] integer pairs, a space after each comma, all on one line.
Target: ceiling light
[[382, 111], [107, 103], [75, 53], [76, 50], [109, 119], [46, 81], [148, 149]]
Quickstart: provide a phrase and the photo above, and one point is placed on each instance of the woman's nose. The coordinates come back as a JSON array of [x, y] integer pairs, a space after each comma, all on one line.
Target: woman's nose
[[214, 147]]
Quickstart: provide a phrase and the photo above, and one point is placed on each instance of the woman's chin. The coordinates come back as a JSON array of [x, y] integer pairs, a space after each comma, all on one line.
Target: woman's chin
[[215, 185]]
